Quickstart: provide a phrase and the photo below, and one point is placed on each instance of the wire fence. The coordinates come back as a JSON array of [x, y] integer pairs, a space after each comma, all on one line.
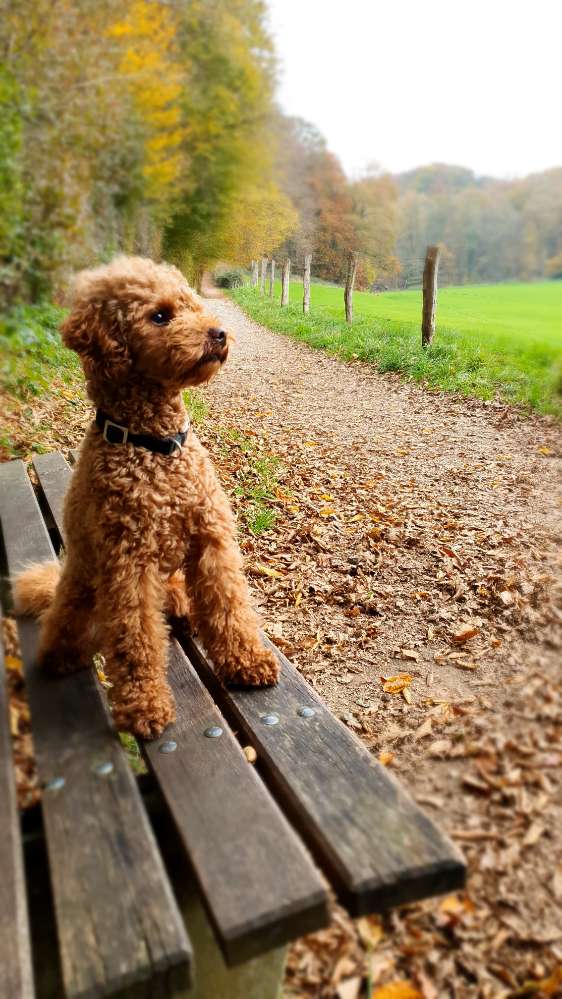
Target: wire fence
[[417, 273]]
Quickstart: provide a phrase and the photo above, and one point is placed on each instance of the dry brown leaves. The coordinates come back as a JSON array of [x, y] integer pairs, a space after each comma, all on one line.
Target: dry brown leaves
[[24, 761], [393, 547]]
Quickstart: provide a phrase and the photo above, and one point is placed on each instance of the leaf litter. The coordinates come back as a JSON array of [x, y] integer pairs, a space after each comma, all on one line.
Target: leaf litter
[[417, 558]]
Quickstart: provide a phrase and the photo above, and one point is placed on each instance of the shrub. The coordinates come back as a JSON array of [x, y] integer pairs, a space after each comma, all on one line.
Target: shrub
[[233, 278]]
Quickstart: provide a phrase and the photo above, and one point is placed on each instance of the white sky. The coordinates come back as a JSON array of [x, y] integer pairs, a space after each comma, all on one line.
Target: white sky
[[476, 83]]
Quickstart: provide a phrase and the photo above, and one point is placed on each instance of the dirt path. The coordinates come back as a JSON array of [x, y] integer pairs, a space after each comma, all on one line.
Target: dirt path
[[417, 533]]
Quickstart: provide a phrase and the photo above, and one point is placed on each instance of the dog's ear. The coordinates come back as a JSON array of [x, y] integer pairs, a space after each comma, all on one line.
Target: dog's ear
[[94, 332]]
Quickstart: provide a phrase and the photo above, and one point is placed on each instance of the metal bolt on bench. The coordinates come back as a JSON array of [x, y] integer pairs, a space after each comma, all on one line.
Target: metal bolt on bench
[[205, 855]]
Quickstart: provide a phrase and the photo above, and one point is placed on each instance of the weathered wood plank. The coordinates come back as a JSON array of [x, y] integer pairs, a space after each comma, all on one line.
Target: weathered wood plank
[[225, 817], [259, 885], [117, 920], [374, 843], [15, 952], [51, 470]]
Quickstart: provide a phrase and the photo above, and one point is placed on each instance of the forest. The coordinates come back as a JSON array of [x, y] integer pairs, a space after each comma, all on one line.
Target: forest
[[153, 128]]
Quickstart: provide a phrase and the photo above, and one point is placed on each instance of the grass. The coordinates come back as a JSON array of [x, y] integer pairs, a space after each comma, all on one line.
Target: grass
[[256, 475], [492, 341], [31, 352], [256, 480], [41, 384], [196, 406]]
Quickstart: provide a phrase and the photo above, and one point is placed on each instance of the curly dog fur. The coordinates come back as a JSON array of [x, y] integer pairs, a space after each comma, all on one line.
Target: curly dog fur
[[145, 532]]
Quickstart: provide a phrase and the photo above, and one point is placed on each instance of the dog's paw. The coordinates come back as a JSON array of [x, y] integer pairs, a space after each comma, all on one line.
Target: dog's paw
[[145, 720], [259, 669]]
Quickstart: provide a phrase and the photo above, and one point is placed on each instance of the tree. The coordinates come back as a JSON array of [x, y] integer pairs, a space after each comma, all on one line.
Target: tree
[[374, 218], [261, 220], [225, 107]]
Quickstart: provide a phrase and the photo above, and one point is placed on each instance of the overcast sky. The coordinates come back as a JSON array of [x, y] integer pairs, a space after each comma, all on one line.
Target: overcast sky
[[407, 82]]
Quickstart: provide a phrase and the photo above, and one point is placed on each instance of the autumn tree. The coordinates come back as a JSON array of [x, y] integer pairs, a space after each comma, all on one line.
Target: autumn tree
[[225, 107], [261, 219], [374, 220]]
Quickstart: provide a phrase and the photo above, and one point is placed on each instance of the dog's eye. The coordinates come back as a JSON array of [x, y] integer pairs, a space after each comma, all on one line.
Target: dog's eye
[[162, 317]]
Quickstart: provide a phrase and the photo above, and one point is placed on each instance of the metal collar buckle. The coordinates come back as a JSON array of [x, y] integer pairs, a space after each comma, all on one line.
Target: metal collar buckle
[[172, 445], [116, 426]]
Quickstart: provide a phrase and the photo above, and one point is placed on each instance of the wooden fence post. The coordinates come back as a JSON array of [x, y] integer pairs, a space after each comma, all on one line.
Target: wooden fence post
[[285, 281], [349, 283], [255, 276], [263, 272], [430, 270], [306, 283], [271, 277]]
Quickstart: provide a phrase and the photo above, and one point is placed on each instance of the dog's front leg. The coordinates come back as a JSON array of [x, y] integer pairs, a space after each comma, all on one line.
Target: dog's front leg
[[222, 613], [135, 642]]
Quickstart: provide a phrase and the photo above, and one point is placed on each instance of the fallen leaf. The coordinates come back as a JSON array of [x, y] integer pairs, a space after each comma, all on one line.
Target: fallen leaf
[[533, 834], [349, 989], [455, 904], [465, 633], [267, 570], [545, 450], [386, 758], [370, 930], [14, 720], [479, 786], [403, 989], [327, 511], [407, 695], [409, 654], [396, 684], [440, 747], [13, 663], [550, 986], [424, 729]]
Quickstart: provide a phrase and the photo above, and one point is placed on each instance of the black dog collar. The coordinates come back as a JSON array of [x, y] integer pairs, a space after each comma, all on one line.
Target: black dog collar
[[115, 433]]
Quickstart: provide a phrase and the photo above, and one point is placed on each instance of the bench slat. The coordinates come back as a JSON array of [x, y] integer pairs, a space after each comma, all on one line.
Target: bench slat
[[225, 817], [259, 885], [375, 844], [51, 470], [15, 954], [117, 920]]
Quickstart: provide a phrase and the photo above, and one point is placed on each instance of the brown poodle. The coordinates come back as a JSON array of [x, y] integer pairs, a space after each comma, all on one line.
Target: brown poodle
[[137, 511]]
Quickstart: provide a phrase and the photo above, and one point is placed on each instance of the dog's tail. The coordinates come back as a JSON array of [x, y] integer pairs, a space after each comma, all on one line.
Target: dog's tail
[[34, 588]]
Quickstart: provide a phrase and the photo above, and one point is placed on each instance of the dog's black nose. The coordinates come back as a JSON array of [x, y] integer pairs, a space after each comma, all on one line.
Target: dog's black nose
[[218, 335]]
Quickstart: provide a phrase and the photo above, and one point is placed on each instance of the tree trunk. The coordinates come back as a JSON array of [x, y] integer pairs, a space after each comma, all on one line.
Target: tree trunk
[[255, 276], [350, 281], [271, 277], [306, 284], [263, 272], [285, 281], [429, 293]]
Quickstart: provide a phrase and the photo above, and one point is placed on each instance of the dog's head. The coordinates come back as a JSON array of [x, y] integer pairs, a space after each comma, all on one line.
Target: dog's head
[[134, 320]]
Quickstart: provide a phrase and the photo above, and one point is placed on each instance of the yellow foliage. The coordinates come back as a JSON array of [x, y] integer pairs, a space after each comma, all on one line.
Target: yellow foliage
[[150, 68], [262, 219]]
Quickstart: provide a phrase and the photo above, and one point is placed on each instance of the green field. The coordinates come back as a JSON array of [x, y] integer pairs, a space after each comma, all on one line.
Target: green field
[[492, 341]]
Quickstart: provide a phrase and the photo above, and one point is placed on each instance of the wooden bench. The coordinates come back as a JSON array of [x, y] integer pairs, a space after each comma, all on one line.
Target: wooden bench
[[205, 847]]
